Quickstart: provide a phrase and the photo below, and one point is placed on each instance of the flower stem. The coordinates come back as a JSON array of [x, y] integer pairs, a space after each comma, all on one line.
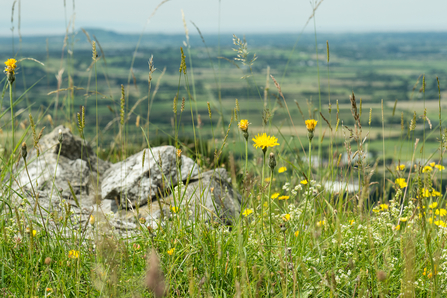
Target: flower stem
[[270, 215], [12, 116], [246, 156]]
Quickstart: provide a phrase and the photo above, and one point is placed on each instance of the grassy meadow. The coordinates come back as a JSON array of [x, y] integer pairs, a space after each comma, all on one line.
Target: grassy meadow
[[378, 101]]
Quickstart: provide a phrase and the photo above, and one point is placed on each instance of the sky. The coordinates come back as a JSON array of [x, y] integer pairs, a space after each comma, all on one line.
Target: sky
[[48, 17]]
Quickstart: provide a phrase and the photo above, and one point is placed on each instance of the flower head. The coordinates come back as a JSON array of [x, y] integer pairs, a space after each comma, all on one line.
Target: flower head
[[383, 207], [400, 167], [303, 182], [10, 65], [432, 164], [73, 254], [283, 198], [439, 167], [282, 169], [433, 205], [171, 251], [247, 212], [297, 233], [263, 141], [243, 125], [275, 195], [286, 217], [320, 223], [311, 124], [401, 182], [427, 169]]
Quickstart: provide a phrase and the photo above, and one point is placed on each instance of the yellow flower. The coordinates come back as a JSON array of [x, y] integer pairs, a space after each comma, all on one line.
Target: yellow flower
[[10, 65], [442, 212], [303, 182], [426, 192], [49, 289], [427, 169], [275, 195], [243, 125], [268, 179], [432, 164], [282, 169], [92, 219], [403, 219], [401, 182], [397, 228], [179, 153], [310, 124], [320, 223], [433, 205], [174, 209], [171, 251], [376, 210], [440, 167], [383, 207], [34, 233], [73, 254], [297, 233], [435, 193], [286, 217], [283, 198], [400, 167], [247, 212], [351, 222], [440, 223], [263, 141], [266, 205]]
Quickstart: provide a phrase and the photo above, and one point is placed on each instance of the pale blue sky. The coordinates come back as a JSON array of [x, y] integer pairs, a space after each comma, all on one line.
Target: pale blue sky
[[45, 17]]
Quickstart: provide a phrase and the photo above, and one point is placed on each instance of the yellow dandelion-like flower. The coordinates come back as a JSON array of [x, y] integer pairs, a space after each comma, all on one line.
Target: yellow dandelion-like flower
[[171, 251], [403, 219], [435, 193], [433, 205], [351, 222], [10, 65], [432, 164], [311, 124], [297, 233], [275, 195], [263, 141], [303, 182], [286, 217], [243, 125], [73, 254], [282, 169], [401, 182], [427, 169], [383, 207], [247, 212], [440, 223], [320, 223], [174, 209], [442, 212], [34, 233], [400, 167], [439, 167], [283, 198], [397, 228], [426, 192]]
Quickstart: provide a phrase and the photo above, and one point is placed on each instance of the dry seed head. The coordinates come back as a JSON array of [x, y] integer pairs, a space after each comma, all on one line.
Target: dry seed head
[[137, 124], [33, 128], [122, 105], [182, 108], [237, 106], [144, 156], [182, 63], [360, 107], [174, 105], [381, 275], [370, 114], [402, 121], [83, 117], [78, 115], [209, 109], [47, 261], [413, 122], [272, 161], [338, 108], [327, 48], [50, 119], [94, 54]]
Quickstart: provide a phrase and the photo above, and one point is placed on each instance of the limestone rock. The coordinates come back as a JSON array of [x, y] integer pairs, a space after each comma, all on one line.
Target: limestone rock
[[131, 183]]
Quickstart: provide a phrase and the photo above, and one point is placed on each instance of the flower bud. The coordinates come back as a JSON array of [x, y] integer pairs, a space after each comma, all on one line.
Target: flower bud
[[272, 161], [24, 151]]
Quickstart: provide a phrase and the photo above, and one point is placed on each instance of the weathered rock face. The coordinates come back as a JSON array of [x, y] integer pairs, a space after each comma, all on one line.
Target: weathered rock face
[[131, 183], [77, 163], [207, 196]]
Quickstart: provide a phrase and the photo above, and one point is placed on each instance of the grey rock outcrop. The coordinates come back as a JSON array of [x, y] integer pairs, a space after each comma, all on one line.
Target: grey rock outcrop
[[131, 183], [70, 161]]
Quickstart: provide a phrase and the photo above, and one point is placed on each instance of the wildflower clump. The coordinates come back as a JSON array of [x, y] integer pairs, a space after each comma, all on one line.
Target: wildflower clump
[[401, 182]]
